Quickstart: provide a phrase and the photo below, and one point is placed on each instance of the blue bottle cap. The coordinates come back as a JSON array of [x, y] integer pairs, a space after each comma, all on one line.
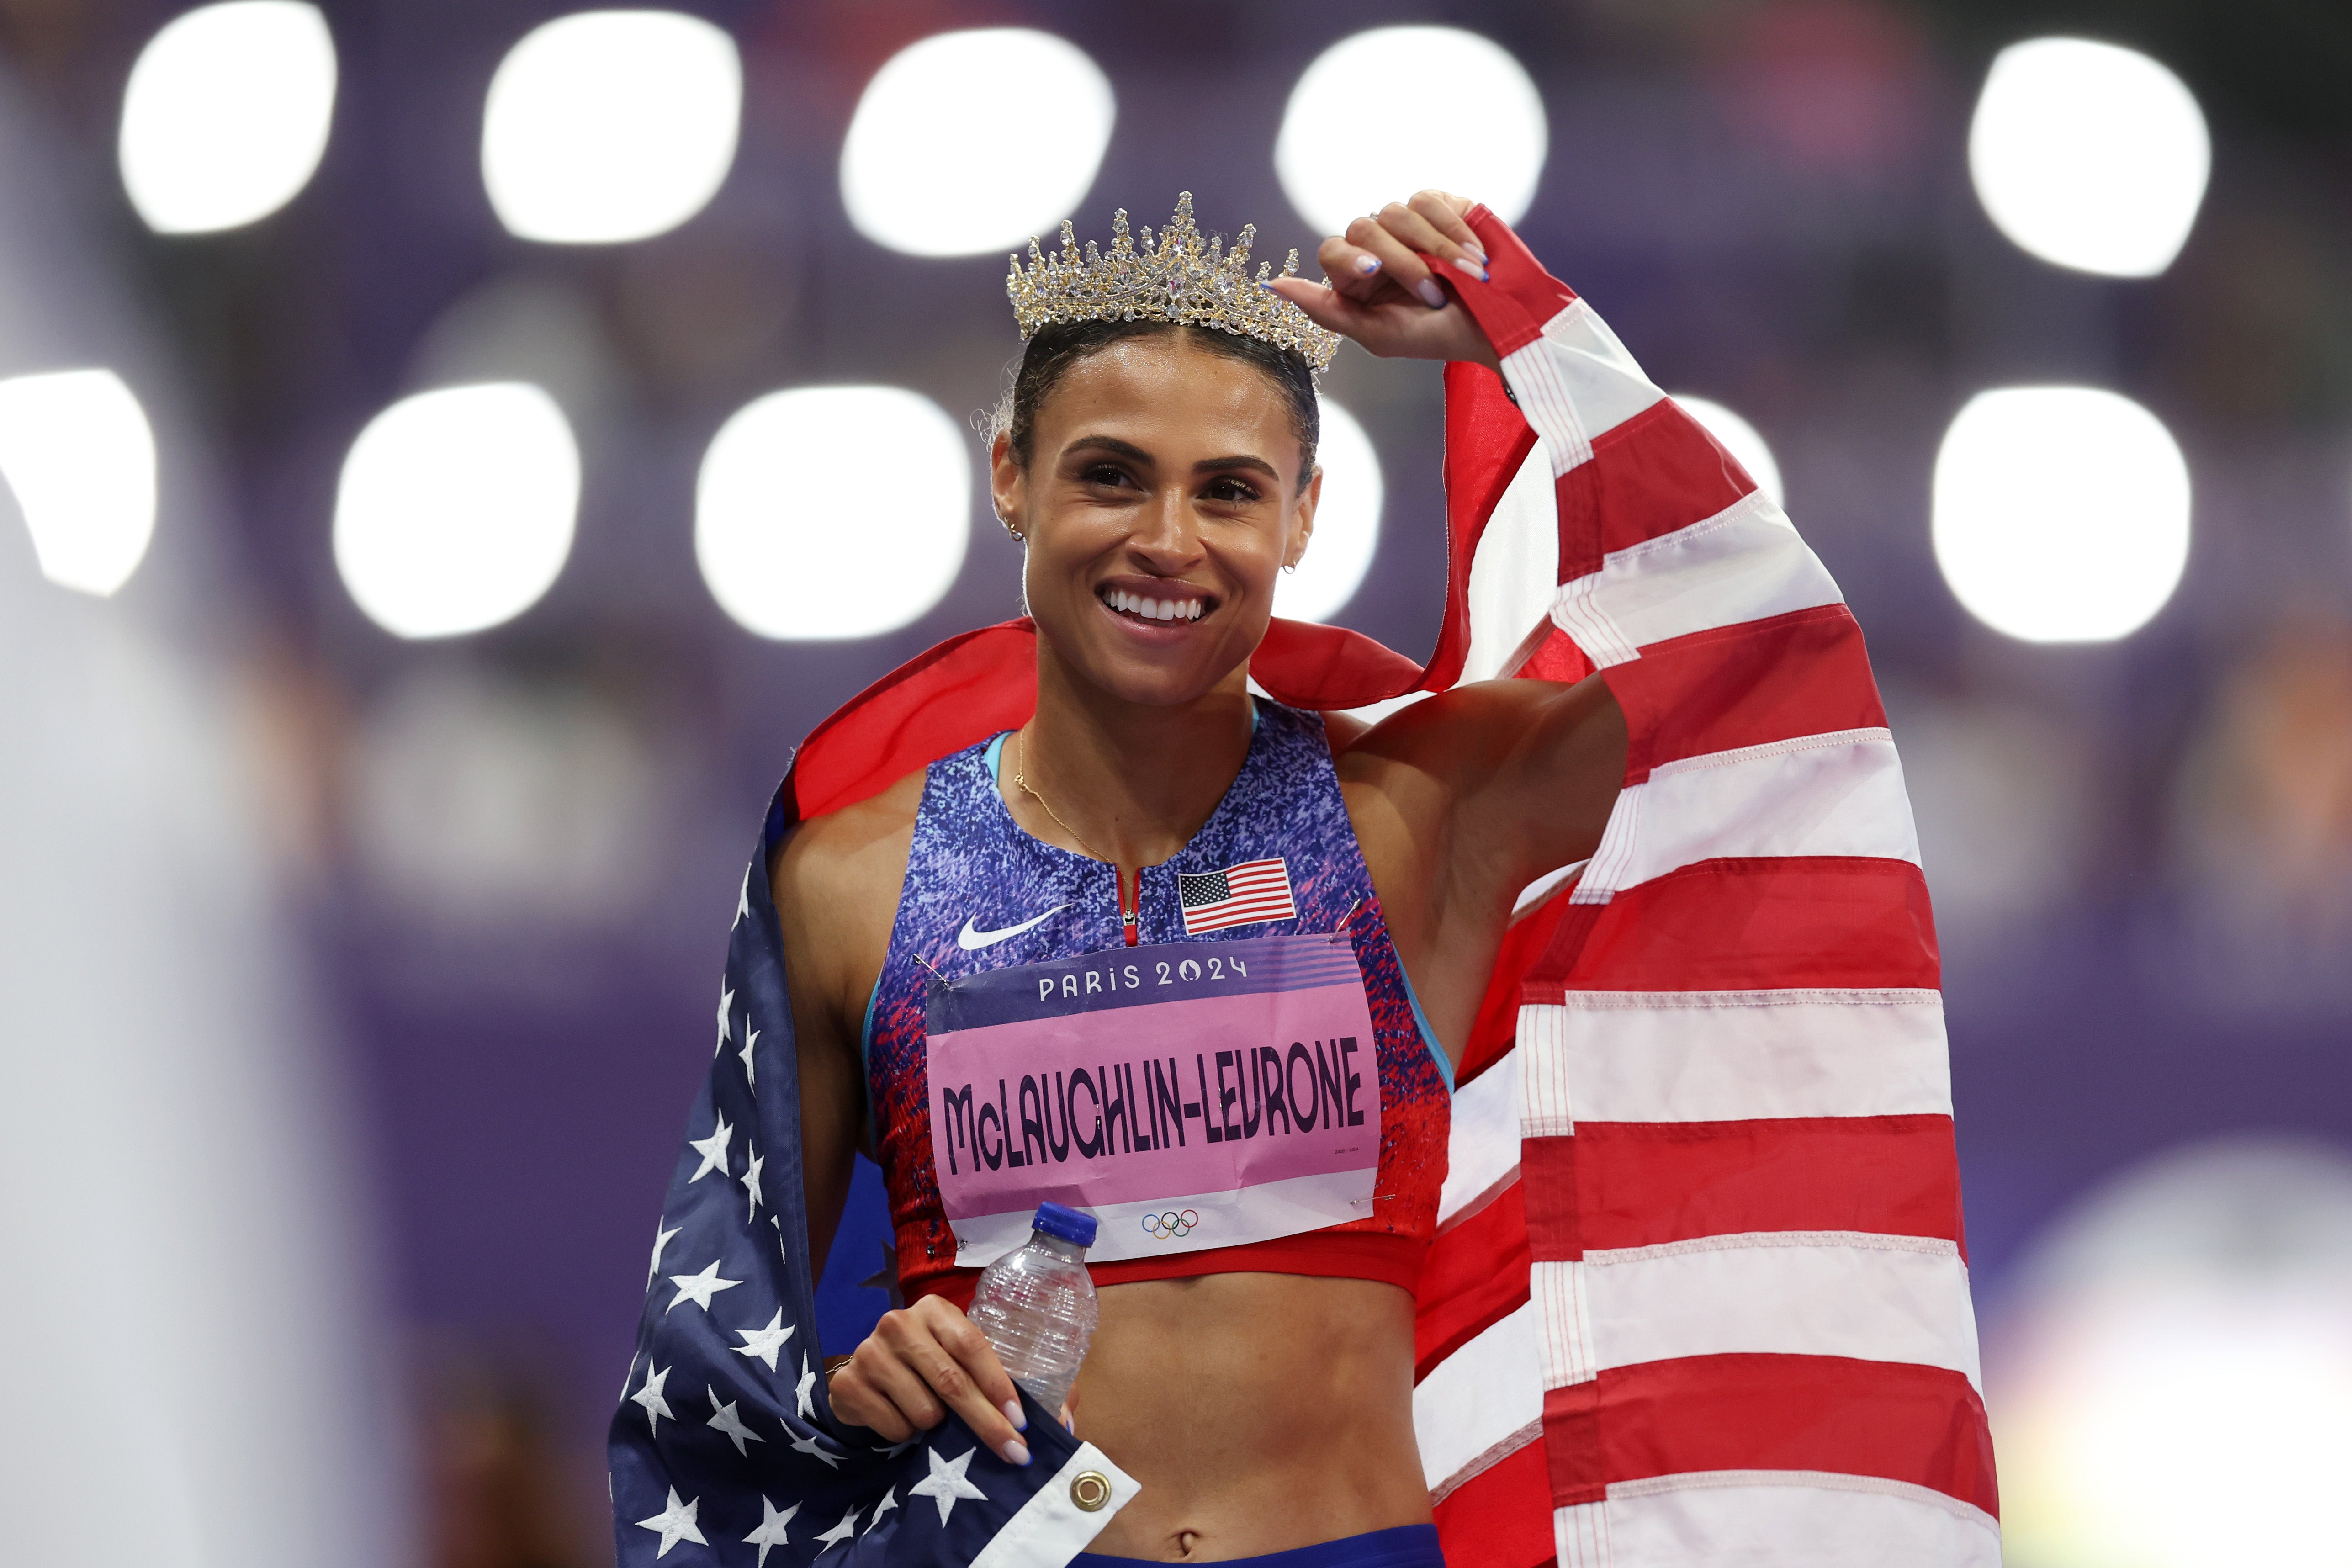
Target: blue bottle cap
[[1070, 1224]]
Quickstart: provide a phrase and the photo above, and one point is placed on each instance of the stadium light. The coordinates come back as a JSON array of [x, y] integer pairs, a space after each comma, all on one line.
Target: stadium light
[[1346, 524], [2089, 155], [972, 142], [606, 126], [79, 454], [226, 114], [2061, 512], [1343, 149], [456, 507], [1742, 439], [794, 536]]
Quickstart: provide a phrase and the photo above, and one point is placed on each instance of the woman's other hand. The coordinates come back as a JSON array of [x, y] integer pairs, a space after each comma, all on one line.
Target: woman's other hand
[[1382, 289], [919, 1364]]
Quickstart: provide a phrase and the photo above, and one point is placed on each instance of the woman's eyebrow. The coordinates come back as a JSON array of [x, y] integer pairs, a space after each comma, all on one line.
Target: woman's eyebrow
[[1226, 465], [1112, 445]]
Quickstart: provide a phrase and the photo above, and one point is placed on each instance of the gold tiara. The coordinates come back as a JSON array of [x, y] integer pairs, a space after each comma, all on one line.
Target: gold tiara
[[1178, 278]]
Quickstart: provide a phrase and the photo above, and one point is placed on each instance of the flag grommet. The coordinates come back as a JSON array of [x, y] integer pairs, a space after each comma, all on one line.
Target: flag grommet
[[1090, 1491]]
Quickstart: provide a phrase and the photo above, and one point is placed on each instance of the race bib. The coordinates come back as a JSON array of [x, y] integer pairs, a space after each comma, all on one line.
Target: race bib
[[1188, 1096]]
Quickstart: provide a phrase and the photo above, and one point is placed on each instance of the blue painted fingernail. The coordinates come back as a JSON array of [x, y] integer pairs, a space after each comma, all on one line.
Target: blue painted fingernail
[[1368, 265], [1430, 294], [1017, 1451], [1013, 1412], [1472, 268]]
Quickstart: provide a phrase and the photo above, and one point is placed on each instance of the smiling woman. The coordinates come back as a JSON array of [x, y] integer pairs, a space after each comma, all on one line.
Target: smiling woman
[[1160, 471], [1343, 917], [1143, 432]]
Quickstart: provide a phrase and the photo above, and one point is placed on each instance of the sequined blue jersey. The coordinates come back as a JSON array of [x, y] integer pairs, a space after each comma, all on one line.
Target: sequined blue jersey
[[983, 893]]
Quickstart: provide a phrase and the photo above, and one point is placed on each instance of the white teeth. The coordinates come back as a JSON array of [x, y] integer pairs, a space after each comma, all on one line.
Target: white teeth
[[1146, 609]]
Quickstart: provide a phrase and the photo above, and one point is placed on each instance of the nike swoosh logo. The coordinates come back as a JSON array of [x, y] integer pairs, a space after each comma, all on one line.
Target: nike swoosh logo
[[973, 940]]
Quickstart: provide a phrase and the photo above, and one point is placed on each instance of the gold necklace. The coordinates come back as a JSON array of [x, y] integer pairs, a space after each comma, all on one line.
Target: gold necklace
[[1021, 783]]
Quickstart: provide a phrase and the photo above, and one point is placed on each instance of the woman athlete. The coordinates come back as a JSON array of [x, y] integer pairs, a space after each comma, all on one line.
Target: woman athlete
[[1160, 478]]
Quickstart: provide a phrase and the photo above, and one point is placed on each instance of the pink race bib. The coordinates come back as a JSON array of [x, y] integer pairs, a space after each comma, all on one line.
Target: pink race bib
[[1189, 1096]]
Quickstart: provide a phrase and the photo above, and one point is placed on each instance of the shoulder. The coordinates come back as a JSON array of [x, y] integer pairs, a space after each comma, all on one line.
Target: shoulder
[[854, 855], [837, 883]]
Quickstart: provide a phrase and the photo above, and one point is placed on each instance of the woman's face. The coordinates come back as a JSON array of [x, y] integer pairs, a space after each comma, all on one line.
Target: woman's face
[[1160, 502]]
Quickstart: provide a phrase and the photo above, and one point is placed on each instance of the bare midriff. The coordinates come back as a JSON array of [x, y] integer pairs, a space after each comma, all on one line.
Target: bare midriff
[[1260, 1412]]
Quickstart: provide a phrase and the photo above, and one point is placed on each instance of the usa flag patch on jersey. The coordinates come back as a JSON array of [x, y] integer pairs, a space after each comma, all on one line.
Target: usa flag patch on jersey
[[1239, 895]]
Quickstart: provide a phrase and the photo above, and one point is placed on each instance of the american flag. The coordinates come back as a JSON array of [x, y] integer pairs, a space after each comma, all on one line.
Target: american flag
[[724, 1448], [1239, 895], [1699, 1290]]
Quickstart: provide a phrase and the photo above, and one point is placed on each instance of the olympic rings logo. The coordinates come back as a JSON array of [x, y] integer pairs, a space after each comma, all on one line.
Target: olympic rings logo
[[1170, 1225]]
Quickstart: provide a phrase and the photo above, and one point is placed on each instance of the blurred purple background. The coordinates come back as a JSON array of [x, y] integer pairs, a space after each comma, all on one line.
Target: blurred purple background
[[500, 866]]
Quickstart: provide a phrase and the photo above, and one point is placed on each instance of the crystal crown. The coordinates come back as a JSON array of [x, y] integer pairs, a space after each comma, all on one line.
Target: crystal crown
[[1178, 277]]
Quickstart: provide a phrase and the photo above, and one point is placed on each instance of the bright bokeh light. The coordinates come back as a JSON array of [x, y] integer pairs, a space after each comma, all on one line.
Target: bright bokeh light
[[456, 507], [2089, 155], [2173, 1388], [973, 142], [2061, 512], [1742, 439], [1347, 145], [1346, 524], [828, 512], [2259, 1392], [605, 126], [77, 452], [226, 114]]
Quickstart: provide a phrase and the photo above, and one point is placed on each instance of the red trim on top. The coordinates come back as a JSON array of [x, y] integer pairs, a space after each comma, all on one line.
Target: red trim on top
[[1131, 902], [1382, 1255]]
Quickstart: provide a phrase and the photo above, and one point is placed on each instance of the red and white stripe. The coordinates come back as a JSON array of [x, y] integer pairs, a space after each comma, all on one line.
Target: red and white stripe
[[1700, 1291], [1254, 890]]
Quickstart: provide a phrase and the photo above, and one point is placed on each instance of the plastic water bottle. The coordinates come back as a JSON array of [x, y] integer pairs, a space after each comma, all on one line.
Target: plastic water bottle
[[1037, 1305]]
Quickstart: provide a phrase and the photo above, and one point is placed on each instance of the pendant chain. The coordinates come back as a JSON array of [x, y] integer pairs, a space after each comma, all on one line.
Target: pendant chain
[[1021, 783]]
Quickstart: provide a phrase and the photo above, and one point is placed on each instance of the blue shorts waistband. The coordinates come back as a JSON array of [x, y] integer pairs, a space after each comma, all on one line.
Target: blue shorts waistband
[[1406, 1546]]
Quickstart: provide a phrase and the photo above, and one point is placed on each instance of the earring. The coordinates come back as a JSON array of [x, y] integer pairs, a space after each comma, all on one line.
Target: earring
[[1010, 529], [1293, 566]]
